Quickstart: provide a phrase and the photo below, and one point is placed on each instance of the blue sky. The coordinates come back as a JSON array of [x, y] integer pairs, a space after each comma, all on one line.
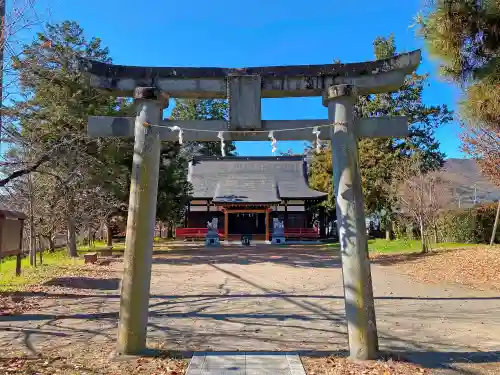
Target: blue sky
[[273, 32]]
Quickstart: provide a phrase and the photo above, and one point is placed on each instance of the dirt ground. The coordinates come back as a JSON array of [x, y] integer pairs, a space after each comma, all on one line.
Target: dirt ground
[[264, 298], [477, 268]]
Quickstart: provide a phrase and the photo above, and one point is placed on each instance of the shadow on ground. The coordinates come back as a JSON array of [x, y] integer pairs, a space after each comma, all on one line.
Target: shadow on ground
[[391, 259], [294, 256], [84, 283], [238, 296], [299, 256]]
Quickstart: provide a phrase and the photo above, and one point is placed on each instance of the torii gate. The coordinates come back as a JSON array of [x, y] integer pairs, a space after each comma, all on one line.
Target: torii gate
[[338, 84]]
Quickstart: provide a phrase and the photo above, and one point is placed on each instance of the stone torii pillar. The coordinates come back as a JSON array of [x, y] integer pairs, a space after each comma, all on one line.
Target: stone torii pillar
[[141, 219], [358, 291]]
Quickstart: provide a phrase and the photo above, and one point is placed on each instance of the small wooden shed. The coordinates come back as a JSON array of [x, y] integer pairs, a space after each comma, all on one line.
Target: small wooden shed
[[11, 235]]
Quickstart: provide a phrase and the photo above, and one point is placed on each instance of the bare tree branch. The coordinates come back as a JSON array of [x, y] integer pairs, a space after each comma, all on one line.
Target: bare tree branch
[[24, 171], [37, 164]]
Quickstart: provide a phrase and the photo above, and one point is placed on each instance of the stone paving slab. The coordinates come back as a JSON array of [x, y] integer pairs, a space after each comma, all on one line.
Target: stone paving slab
[[245, 363]]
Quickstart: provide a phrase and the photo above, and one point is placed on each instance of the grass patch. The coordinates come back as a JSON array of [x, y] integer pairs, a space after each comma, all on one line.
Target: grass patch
[[161, 239], [380, 245], [158, 244], [53, 264], [118, 246], [384, 246]]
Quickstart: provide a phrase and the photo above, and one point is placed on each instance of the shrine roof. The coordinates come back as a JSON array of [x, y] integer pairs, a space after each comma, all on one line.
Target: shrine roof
[[239, 179], [10, 214], [250, 188]]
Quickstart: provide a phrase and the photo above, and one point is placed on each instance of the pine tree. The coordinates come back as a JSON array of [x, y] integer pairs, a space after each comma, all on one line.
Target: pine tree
[[48, 125], [465, 36], [174, 190], [379, 156]]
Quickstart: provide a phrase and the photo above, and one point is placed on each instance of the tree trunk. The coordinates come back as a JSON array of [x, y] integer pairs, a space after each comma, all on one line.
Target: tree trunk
[[170, 233], [436, 237], [50, 238], [422, 237], [89, 236], [32, 240], [71, 227], [109, 233], [409, 231], [389, 233], [495, 225], [32, 243], [40, 250]]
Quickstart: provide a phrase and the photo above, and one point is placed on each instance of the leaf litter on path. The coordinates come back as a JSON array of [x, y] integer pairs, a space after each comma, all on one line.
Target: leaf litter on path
[[478, 268], [336, 365]]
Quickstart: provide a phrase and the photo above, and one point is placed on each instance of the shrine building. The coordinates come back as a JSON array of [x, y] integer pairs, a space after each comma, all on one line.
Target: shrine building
[[246, 193]]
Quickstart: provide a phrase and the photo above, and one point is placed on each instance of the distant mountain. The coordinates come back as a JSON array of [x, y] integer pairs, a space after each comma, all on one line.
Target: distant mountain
[[468, 182]]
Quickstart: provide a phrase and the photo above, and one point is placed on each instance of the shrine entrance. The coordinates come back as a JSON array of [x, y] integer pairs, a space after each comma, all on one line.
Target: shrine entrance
[[247, 223]]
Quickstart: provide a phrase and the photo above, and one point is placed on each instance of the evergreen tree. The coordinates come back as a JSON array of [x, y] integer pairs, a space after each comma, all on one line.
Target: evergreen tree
[[174, 189], [206, 109], [465, 36], [48, 125], [379, 156]]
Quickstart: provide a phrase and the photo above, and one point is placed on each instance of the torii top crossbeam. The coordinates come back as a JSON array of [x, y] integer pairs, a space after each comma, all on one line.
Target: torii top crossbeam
[[276, 81]]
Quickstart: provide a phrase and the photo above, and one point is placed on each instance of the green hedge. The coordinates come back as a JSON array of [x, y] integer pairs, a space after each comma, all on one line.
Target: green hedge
[[470, 225], [467, 225]]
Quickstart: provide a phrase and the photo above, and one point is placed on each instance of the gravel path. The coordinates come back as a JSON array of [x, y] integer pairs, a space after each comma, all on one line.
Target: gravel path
[[267, 299]]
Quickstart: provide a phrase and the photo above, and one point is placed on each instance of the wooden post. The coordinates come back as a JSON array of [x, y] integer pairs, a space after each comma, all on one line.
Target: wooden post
[[134, 299], [188, 209], [226, 224], [285, 216], [267, 224], [358, 291], [322, 232], [495, 225]]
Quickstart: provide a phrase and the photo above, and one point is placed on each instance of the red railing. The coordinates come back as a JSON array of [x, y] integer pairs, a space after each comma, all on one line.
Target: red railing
[[309, 233], [194, 233]]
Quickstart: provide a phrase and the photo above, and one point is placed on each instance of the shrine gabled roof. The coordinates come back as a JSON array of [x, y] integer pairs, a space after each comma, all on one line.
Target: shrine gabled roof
[[255, 188], [239, 179], [10, 214]]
